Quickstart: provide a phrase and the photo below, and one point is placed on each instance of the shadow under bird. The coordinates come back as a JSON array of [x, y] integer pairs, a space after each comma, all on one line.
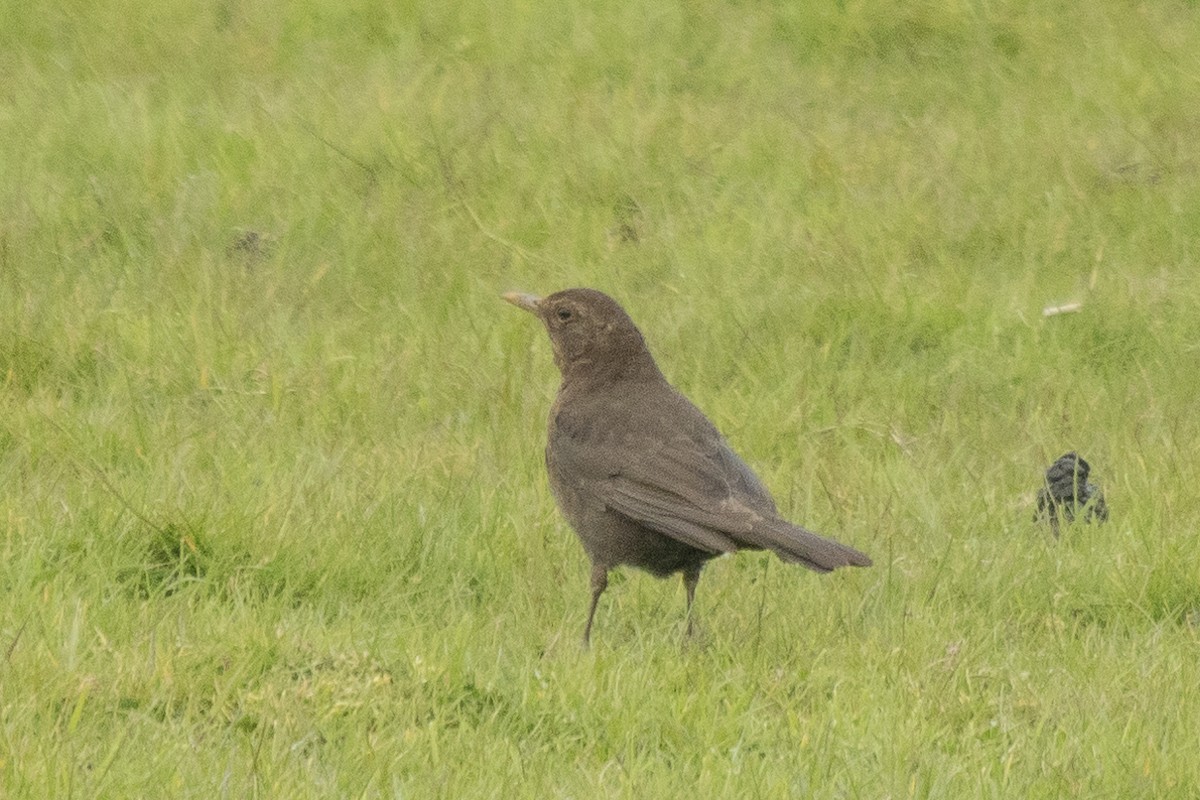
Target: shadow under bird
[[638, 471]]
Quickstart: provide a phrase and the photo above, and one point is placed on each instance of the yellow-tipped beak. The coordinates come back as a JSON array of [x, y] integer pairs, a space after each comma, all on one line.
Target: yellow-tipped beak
[[528, 302]]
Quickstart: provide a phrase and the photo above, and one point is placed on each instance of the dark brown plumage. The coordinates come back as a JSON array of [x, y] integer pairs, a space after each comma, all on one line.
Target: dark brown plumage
[[638, 471]]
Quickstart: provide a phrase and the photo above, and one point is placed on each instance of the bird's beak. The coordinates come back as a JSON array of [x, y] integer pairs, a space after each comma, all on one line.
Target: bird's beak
[[528, 302]]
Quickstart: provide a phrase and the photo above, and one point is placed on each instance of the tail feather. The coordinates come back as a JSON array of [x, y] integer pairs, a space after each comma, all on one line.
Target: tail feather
[[797, 545]]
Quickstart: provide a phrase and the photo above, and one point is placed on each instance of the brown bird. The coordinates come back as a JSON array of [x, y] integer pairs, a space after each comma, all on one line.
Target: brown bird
[[638, 471]]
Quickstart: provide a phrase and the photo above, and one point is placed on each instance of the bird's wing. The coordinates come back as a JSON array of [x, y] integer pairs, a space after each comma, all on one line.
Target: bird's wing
[[668, 514], [673, 473], [696, 490], [718, 522], [693, 489]]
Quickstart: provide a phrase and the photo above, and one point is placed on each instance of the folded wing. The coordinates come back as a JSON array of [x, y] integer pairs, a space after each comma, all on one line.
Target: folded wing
[[697, 491]]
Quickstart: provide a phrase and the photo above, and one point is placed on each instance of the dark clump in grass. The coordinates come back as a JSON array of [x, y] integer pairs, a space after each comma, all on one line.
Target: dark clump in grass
[[1067, 495], [627, 222], [250, 247]]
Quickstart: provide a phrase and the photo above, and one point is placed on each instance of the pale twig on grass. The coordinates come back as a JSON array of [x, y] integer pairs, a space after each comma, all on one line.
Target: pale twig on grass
[[1065, 308]]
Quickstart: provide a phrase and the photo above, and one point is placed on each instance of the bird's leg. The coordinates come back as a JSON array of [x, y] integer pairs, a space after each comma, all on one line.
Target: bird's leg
[[690, 578], [599, 584]]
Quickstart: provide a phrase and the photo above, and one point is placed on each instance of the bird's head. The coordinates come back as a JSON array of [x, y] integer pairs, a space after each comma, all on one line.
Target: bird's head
[[590, 332]]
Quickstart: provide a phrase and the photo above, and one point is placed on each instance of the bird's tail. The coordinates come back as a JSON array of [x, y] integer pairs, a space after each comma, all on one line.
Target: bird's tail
[[797, 545]]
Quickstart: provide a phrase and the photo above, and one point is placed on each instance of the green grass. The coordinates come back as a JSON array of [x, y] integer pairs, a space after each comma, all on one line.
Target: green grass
[[274, 521]]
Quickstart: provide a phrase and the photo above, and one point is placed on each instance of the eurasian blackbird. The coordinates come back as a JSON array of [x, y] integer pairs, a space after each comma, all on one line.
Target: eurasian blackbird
[[638, 471]]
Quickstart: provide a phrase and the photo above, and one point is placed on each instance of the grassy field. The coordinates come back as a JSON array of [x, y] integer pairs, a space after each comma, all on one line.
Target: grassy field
[[274, 520]]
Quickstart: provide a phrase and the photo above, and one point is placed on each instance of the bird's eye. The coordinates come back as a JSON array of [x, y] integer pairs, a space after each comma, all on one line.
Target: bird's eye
[[564, 314]]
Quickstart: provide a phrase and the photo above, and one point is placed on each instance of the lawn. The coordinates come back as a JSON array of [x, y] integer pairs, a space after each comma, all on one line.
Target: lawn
[[274, 519]]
